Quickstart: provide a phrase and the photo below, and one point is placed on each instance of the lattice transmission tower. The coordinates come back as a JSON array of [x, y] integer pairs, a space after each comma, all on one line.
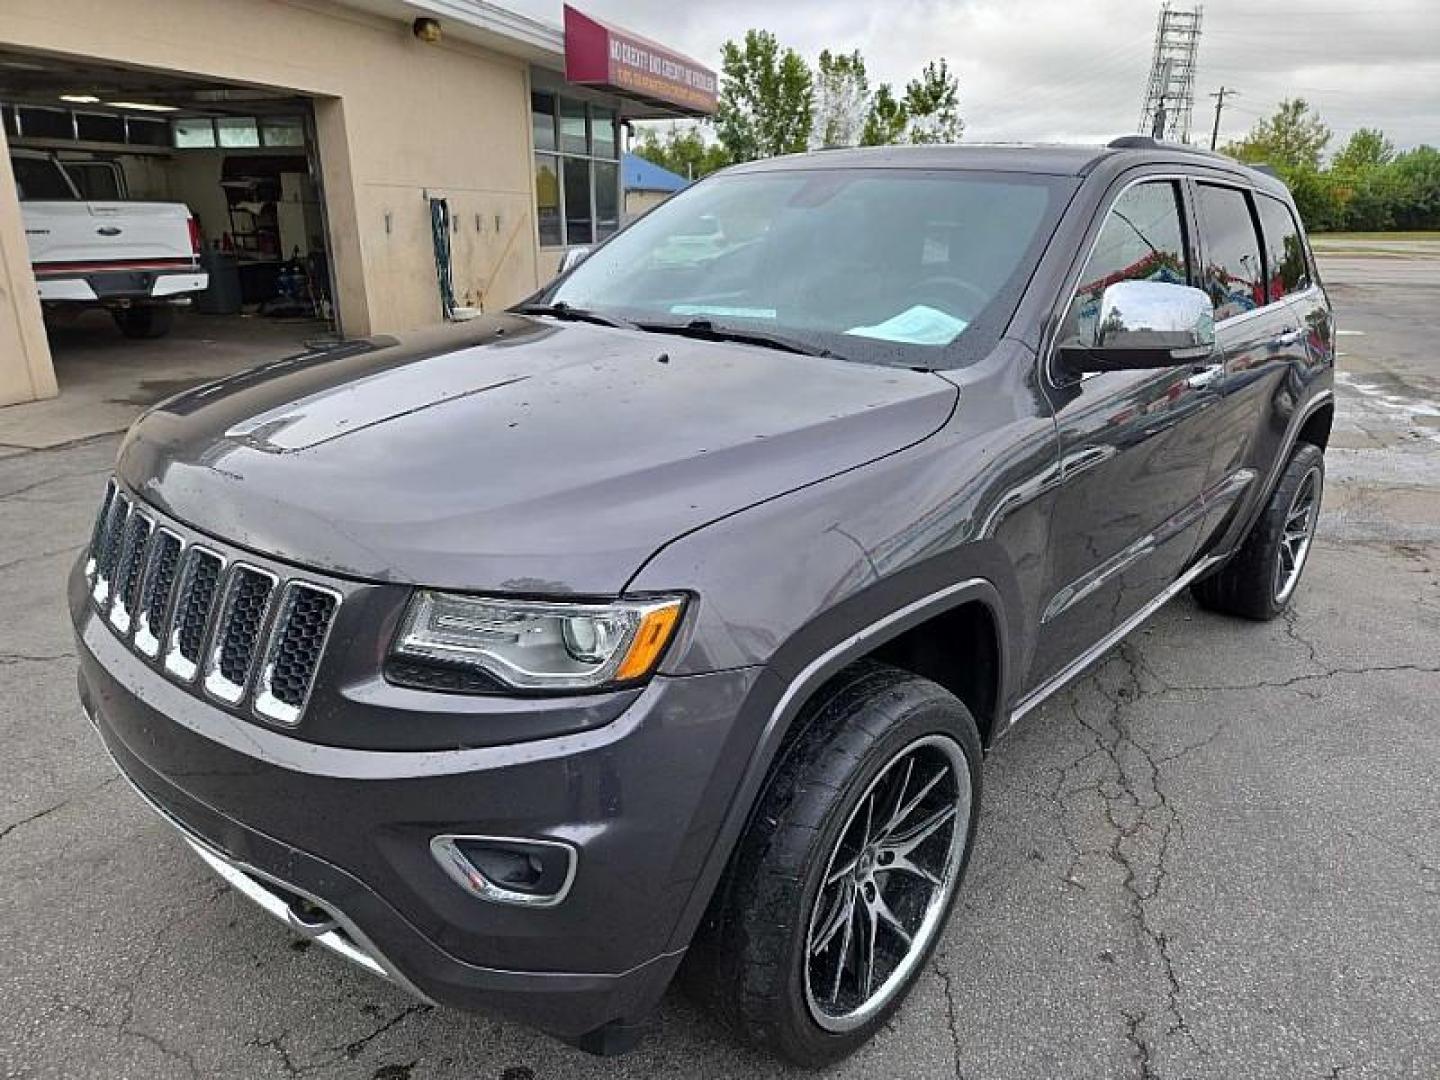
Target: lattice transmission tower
[[1170, 91]]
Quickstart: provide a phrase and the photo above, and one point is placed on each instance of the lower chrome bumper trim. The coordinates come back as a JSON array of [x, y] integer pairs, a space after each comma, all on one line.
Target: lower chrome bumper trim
[[335, 931]]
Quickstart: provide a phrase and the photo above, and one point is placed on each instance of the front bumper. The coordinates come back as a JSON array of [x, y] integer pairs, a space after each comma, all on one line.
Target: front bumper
[[334, 840]]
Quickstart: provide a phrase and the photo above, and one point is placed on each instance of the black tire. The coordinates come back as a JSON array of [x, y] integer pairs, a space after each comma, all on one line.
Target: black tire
[[150, 321], [1249, 584], [751, 960]]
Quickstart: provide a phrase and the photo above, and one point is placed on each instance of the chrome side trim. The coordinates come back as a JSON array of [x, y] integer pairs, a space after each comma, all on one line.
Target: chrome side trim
[[1221, 494], [340, 936], [1031, 700], [467, 875]]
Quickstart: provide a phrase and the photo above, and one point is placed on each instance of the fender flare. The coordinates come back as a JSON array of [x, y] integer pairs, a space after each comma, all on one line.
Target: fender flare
[[793, 694]]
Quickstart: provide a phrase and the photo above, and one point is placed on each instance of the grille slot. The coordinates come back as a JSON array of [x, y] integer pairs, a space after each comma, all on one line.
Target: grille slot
[[194, 600], [237, 632], [293, 656], [126, 576], [155, 585], [97, 533], [110, 540]]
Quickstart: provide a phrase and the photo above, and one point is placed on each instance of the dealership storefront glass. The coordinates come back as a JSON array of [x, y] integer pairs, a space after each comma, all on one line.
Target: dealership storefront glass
[[577, 170]]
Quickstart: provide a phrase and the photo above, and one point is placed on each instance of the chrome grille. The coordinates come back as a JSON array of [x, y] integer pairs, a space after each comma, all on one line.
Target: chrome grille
[[102, 519], [197, 612], [126, 577], [155, 586], [111, 535], [199, 582], [301, 628], [237, 632]]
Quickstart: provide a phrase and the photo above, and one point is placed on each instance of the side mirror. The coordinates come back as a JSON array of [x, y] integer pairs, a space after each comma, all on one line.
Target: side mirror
[[1144, 324], [572, 258]]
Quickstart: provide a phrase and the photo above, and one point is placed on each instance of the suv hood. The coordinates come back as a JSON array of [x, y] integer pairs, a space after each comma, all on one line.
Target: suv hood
[[517, 455]]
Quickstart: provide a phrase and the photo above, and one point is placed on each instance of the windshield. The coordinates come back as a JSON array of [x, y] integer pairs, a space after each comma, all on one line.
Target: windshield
[[907, 267]]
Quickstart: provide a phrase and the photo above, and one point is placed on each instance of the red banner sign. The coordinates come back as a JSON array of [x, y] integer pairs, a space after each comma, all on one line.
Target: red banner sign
[[597, 54]]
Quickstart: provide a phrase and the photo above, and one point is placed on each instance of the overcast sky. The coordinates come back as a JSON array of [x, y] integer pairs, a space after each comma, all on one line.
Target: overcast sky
[[1074, 70]]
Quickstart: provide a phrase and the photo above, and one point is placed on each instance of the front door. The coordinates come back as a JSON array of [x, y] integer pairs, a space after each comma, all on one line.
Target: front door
[[1136, 447]]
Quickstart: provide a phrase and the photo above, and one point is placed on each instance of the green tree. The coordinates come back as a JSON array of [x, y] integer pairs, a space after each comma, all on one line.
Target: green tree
[[885, 120], [932, 103], [766, 96], [682, 150], [842, 94], [1367, 148], [1294, 138]]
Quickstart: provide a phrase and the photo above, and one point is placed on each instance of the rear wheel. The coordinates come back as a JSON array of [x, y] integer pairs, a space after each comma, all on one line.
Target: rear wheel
[[843, 883], [1260, 580], [149, 321]]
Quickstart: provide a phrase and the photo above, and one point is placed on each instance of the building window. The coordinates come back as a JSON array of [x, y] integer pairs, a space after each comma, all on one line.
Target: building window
[[577, 170], [237, 131], [194, 134], [547, 200]]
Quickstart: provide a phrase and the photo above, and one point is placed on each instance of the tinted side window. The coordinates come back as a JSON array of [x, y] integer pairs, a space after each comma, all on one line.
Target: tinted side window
[[1143, 239], [1234, 274], [1285, 264]]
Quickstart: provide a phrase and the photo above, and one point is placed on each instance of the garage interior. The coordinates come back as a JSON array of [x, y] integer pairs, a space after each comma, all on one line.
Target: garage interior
[[241, 158]]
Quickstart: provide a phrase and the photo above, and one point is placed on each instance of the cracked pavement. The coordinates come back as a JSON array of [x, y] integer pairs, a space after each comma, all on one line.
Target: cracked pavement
[[1216, 856]]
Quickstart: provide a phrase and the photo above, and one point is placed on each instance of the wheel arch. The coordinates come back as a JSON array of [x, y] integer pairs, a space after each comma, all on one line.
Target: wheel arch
[[973, 605]]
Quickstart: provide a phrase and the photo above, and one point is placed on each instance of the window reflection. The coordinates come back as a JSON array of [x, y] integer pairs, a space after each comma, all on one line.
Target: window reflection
[[1234, 274], [1143, 239]]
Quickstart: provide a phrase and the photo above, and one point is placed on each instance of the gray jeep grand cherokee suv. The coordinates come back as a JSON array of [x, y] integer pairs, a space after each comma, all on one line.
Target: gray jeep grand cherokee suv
[[667, 617]]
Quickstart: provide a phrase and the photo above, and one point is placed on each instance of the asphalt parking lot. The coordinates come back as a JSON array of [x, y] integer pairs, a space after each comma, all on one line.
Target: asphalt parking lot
[[1216, 856]]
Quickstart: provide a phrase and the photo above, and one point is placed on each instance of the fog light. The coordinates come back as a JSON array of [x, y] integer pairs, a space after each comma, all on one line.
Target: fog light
[[507, 870]]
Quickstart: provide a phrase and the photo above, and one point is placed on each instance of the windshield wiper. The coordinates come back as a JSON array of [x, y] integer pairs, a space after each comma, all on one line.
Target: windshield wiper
[[706, 330], [561, 310]]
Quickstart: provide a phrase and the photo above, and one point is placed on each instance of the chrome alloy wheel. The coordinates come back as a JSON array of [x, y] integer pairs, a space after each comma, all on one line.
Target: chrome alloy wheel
[[1295, 537], [887, 884]]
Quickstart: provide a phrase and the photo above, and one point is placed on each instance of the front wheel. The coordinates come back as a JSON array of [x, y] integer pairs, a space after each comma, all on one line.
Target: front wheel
[[843, 882], [1260, 579]]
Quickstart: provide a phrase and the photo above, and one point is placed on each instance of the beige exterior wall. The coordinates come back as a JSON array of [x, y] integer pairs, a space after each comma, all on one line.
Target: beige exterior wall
[[640, 203], [25, 371], [395, 118]]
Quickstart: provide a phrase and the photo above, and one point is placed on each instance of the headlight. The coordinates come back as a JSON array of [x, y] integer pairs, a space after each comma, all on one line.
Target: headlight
[[539, 646]]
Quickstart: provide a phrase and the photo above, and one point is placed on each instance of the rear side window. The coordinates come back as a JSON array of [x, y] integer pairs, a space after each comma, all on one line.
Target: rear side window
[[1285, 267], [40, 178], [1142, 239], [1234, 273]]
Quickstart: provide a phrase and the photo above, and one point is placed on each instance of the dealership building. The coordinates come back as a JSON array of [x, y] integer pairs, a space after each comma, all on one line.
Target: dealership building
[[424, 159]]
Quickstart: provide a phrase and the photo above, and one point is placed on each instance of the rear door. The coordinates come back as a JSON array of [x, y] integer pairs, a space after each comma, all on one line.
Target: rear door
[[1259, 334], [1137, 446]]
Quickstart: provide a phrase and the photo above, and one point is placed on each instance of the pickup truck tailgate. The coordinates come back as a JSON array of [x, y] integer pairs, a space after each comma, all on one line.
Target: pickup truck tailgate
[[83, 234]]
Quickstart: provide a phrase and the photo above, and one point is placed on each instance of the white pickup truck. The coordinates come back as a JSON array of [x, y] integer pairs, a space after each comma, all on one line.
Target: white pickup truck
[[136, 259]]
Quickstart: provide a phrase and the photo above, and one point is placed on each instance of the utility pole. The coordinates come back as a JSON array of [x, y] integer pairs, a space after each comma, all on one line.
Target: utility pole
[[1219, 97]]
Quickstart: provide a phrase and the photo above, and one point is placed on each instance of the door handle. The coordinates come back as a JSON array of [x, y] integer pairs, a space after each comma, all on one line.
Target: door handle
[[1289, 337], [1206, 376]]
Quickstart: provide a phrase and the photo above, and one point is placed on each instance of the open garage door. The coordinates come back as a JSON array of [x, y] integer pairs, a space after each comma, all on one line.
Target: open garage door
[[176, 226]]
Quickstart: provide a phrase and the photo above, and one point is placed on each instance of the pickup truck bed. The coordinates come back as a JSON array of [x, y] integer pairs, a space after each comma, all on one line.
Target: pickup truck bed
[[134, 258]]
